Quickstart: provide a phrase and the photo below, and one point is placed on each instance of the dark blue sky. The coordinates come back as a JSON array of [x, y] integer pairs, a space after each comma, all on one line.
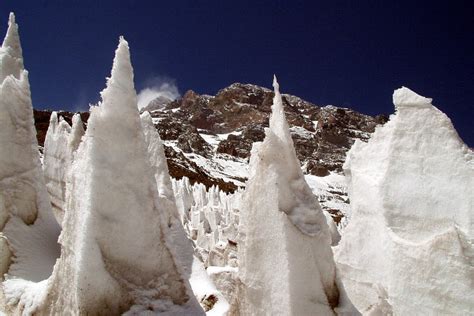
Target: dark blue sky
[[346, 53]]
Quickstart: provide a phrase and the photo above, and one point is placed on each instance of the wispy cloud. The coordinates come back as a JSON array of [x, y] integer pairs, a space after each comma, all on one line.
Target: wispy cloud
[[156, 87]]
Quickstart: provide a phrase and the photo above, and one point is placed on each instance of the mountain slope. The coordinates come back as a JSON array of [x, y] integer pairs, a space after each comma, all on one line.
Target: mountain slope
[[208, 138]]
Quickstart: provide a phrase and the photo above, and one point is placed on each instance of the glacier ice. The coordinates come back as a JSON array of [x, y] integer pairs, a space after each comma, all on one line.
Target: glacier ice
[[286, 264], [408, 248]]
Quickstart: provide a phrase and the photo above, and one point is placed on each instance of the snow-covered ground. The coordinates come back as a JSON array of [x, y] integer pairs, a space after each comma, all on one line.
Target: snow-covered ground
[[228, 168], [214, 140]]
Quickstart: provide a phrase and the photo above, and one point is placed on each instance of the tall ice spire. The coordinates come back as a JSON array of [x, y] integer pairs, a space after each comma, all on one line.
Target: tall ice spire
[[120, 227], [120, 91], [280, 212], [11, 57], [12, 38], [278, 123]]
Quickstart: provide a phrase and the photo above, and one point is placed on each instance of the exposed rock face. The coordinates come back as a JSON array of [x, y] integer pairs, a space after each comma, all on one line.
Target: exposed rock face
[[322, 135], [208, 138], [240, 145]]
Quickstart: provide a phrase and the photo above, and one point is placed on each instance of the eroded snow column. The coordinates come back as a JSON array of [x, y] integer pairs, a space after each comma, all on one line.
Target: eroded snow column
[[157, 159], [286, 264], [409, 246], [114, 254], [19, 158], [60, 144], [23, 196]]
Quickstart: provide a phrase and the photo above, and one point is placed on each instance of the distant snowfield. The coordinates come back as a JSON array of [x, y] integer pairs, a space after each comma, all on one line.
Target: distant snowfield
[[214, 140]]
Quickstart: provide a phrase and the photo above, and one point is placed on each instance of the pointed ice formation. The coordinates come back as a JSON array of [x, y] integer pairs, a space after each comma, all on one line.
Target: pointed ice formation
[[19, 158], [77, 131], [25, 210], [10, 53], [409, 245], [156, 155], [60, 144], [210, 219], [286, 264], [23, 197], [183, 193], [55, 162], [179, 245], [114, 249]]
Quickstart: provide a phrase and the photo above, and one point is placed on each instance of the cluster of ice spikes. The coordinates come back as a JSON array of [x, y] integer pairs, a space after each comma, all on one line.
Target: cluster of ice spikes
[[121, 247], [100, 228]]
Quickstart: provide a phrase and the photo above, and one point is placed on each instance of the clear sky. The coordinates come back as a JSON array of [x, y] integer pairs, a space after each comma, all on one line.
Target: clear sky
[[344, 53]]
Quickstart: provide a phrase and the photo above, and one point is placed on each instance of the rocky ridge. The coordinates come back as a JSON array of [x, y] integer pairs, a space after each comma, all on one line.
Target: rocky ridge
[[208, 138], [227, 124]]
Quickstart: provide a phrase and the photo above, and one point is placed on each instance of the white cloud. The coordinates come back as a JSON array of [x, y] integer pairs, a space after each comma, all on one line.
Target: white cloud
[[156, 87]]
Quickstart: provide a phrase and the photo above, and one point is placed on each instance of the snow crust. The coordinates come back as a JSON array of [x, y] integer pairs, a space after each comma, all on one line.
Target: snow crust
[[408, 248], [404, 97], [286, 264], [204, 290]]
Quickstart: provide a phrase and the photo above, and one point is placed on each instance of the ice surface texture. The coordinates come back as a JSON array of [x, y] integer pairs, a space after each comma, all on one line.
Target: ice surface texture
[[409, 245], [26, 218], [286, 264], [116, 239], [113, 246], [60, 145]]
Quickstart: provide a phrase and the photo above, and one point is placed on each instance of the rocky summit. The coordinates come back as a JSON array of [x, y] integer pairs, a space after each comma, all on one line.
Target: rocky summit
[[209, 138]]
